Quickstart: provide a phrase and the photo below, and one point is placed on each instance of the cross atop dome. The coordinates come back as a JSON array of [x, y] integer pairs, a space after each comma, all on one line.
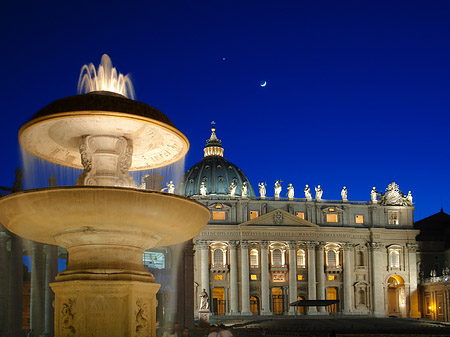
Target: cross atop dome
[[213, 144]]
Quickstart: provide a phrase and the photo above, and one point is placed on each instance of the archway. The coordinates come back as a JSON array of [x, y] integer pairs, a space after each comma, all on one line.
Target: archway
[[218, 301], [332, 294], [396, 296], [254, 305], [277, 300], [300, 309]]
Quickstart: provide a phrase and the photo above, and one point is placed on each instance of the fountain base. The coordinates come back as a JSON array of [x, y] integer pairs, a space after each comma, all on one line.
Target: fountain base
[[103, 308]]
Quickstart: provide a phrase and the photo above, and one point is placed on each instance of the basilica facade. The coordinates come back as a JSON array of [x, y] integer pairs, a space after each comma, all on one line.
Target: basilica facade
[[258, 254]]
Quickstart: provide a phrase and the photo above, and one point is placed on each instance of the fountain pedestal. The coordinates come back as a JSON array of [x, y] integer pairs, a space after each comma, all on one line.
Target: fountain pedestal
[[105, 308]]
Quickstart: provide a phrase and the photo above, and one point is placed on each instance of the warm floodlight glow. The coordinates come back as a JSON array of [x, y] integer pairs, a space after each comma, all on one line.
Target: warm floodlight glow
[[106, 78]]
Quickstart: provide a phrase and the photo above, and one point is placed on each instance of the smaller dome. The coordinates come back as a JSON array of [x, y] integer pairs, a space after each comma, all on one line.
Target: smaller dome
[[216, 172]]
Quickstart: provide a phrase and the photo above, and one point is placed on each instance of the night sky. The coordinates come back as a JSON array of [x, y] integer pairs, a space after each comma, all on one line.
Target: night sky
[[357, 92]]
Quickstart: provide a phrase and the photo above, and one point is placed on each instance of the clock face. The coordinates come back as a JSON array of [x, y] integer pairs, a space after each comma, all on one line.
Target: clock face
[[393, 197]]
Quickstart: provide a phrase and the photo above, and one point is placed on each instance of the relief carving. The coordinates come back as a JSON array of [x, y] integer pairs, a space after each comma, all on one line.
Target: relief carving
[[141, 318], [68, 317]]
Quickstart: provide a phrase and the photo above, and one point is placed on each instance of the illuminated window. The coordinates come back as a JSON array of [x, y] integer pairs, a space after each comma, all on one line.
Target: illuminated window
[[276, 258], [218, 206], [301, 261], [253, 214], [218, 215], [218, 277], [393, 218], [218, 258], [253, 277], [359, 218], [254, 258], [299, 277], [394, 258], [332, 255], [332, 218], [332, 277], [301, 215]]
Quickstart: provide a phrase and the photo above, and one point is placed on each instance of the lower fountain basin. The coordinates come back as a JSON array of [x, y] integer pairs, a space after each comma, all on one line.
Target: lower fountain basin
[[47, 215]]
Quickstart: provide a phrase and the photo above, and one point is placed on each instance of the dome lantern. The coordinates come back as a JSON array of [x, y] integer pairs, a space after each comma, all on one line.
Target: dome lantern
[[213, 144]]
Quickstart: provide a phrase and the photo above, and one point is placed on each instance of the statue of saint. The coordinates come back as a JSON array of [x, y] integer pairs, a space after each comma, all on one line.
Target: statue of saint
[[290, 193], [53, 181], [319, 193], [203, 189], [344, 194], [232, 188], [373, 195], [244, 190], [277, 189], [308, 193], [409, 198], [170, 187], [204, 305], [262, 190]]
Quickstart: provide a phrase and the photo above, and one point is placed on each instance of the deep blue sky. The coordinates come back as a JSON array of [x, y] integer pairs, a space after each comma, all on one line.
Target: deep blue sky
[[358, 91]]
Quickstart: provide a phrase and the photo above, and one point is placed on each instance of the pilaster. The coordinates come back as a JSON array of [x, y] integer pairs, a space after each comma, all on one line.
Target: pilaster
[[347, 274], [234, 303], [245, 275], [292, 276], [311, 246], [265, 304], [413, 290], [377, 282]]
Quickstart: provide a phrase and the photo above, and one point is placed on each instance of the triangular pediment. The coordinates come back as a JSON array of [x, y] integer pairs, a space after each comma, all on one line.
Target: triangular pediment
[[278, 217]]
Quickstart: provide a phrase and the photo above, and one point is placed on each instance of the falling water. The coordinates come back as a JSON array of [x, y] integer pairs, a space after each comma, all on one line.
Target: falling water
[[37, 172], [106, 78]]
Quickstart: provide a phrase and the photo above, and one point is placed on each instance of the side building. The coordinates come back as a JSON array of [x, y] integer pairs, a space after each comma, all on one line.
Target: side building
[[258, 254]]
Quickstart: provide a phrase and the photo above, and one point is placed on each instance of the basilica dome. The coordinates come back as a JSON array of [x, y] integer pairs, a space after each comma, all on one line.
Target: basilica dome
[[218, 175]]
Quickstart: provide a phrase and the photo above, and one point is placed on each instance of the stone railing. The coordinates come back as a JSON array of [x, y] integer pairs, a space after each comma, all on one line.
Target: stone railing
[[4, 191], [323, 201]]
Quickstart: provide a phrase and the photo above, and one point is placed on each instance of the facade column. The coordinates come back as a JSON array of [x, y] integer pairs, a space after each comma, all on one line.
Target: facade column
[[377, 282], [265, 303], [37, 311], [234, 303], [245, 275], [347, 274], [311, 246], [51, 269], [4, 272], [203, 246], [413, 290], [320, 275], [292, 276], [15, 287]]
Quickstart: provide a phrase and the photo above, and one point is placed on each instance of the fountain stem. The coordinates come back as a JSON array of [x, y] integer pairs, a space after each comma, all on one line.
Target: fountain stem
[[106, 161]]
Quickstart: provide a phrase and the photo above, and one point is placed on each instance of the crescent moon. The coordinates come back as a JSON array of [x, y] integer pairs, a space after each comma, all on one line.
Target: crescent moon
[[263, 84]]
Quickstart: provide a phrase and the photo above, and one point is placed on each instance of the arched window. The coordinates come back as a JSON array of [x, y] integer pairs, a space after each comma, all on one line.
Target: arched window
[[394, 257], [331, 258], [218, 258], [254, 258], [276, 257], [301, 263]]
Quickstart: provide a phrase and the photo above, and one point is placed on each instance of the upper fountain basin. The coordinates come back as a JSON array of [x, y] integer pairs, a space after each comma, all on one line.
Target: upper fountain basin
[[49, 215], [54, 133]]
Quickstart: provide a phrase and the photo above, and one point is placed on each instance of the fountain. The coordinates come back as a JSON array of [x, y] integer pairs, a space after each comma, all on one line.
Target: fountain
[[104, 222]]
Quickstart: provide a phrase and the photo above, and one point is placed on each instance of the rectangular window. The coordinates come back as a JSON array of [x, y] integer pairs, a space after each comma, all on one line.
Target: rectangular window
[[393, 218], [218, 215], [359, 218], [253, 215], [253, 277], [300, 278], [218, 277], [332, 218], [332, 277], [301, 215]]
